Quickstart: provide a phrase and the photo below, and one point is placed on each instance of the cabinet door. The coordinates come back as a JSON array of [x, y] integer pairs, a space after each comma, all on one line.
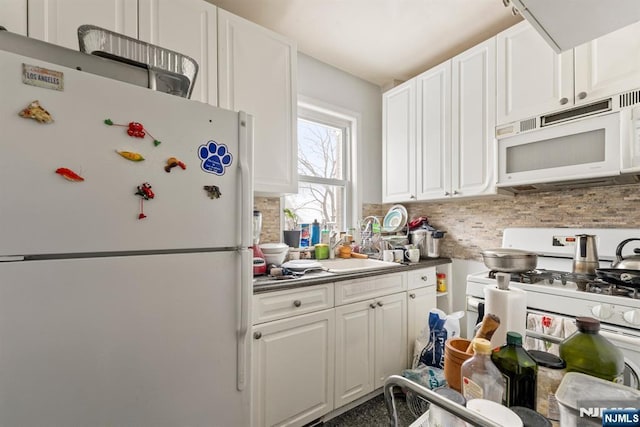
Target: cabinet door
[[390, 337], [14, 16], [257, 73], [531, 78], [398, 143], [354, 351], [188, 27], [433, 147], [473, 121], [608, 65], [293, 369], [419, 303], [57, 21]]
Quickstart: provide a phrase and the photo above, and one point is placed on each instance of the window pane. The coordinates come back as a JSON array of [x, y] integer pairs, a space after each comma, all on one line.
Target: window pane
[[317, 201], [319, 150]]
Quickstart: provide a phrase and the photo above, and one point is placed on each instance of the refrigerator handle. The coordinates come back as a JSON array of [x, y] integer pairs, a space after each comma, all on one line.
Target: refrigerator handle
[[244, 317], [246, 178]]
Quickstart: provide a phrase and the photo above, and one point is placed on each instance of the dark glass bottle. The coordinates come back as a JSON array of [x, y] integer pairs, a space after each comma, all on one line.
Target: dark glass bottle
[[519, 371], [590, 353]]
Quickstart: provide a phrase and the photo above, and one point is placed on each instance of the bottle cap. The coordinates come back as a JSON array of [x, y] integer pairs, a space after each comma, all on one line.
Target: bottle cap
[[481, 346], [587, 324], [548, 360], [514, 338]]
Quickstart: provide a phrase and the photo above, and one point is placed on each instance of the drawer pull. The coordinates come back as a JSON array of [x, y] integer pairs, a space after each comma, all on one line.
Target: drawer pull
[[412, 296], [564, 101], [257, 335], [424, 278], [372, 305], [297, 303], [582, 95], [379, 304]]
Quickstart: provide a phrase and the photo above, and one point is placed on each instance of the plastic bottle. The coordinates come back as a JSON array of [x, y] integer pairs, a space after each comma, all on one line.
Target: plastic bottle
[[480, 377], [441, 282], [305, 238], [325, 236], [315, 232], [519, 371], [590, 353]]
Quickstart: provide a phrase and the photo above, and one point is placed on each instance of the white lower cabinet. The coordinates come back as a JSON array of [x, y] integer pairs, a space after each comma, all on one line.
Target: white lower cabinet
[[421, 298], [371, 339], [293, 369]]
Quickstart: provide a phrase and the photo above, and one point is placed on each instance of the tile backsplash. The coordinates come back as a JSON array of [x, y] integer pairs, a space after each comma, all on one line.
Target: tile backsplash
[[477, 224]]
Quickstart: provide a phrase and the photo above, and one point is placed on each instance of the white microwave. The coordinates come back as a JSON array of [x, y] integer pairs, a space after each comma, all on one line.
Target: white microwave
[[588, 151]]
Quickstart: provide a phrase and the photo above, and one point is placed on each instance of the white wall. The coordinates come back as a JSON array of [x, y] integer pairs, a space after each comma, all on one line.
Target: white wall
[[322, 82]]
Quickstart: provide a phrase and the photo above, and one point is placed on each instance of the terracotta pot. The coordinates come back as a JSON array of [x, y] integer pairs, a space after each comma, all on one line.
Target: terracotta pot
[[454, 356]]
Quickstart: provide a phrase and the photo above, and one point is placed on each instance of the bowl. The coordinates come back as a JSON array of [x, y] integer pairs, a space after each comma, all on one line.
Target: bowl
[[276, 259], [274, 248]]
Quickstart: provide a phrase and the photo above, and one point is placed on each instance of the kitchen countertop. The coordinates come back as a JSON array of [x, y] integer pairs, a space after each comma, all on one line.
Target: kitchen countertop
[[263, 284]]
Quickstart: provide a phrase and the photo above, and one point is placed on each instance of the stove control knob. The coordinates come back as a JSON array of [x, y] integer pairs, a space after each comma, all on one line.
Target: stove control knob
[[632, 316], [602, 311]]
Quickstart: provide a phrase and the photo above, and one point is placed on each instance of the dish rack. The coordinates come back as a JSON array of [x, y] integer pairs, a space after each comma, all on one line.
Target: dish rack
[[394, 230], [430, 396]]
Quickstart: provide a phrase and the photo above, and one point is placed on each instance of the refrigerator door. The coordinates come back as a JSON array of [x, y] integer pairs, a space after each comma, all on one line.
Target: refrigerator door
[[146, 340], [44, 213]]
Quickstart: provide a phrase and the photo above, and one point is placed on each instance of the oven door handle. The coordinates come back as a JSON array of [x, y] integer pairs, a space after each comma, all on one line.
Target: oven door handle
[[544, 337]]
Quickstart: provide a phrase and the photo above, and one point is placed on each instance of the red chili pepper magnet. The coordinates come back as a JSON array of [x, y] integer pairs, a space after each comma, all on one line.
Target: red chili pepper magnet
[[68, 174]]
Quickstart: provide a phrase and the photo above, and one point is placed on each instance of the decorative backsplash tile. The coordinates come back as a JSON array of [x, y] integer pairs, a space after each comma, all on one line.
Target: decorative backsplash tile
[[475, 225]]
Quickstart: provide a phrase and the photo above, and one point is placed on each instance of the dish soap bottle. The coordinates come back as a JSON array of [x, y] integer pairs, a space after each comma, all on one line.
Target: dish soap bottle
[[315, 232], [519, 370], [590, 353], [480, 377]]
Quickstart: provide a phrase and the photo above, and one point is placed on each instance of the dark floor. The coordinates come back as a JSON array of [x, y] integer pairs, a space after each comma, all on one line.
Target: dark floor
[[373, 413]]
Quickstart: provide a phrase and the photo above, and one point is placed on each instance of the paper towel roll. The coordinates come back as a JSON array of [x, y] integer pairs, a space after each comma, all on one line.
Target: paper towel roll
[[510, 306]]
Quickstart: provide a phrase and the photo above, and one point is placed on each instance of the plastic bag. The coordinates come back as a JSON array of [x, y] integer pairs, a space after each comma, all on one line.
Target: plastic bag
[[427, 376], [429, 347]]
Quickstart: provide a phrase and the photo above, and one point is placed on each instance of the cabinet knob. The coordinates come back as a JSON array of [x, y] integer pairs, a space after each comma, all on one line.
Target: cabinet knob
[[412, 296], [446, 193], [582, 95], [456, 192], [379, 304], [563, 101], [372, 305], [412, 197], [297, 303], [424, 278], [257, 335]]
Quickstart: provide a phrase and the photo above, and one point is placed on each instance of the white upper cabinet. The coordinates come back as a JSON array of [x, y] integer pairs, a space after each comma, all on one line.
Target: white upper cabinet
[[473, 121], [534, 80], [57, 21], [433, 148], [187, 27], [531, 77], [399, 143], [257, 71], [14, 16], [608, 65]]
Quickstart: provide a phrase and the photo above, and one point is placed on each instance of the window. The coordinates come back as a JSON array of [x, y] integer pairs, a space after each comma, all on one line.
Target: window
[[324, 170]]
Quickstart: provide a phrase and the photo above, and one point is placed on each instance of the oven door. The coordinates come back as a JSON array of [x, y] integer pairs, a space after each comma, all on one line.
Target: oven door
[[543, 334], [474, 314]]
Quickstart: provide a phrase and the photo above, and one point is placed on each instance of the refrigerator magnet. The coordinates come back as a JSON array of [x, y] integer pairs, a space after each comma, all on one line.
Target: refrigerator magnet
[[134, 129], [172, 162], [35, 111], [215, 157], [69, 175], [145, 192], [213, 191]]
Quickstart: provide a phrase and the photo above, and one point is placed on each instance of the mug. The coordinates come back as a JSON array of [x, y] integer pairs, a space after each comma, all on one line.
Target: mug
[[398, 255], [412, 255], [387, 255]]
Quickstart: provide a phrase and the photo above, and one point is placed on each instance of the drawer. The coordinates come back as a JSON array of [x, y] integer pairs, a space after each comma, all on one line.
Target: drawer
[[421, 278], [369, 287], [278, 305]]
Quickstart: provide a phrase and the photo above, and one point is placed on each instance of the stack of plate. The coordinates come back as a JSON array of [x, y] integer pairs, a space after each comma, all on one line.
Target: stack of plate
[[302, 265], [395, 219]]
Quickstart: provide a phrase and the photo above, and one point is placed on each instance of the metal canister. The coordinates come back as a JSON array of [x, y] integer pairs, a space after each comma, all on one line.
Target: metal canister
[[419, 239]]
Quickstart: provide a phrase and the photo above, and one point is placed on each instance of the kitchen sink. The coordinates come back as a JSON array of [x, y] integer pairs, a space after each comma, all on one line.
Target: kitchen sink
[[350, 265]]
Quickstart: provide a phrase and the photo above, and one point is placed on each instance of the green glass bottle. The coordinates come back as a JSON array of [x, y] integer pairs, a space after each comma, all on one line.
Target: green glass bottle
[[590, 353], [519, 371]]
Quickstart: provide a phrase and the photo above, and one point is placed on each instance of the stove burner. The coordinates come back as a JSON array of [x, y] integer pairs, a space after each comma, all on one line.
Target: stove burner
[[584, 282]]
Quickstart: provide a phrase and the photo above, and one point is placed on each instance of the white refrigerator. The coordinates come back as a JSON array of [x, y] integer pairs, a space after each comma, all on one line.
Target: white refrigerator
[[125, 284]]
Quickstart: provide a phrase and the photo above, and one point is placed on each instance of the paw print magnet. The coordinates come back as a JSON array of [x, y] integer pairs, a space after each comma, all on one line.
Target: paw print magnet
[[215, 157]]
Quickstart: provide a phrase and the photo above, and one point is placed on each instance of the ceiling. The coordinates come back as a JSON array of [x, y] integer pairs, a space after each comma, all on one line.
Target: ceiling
[[381, 41]]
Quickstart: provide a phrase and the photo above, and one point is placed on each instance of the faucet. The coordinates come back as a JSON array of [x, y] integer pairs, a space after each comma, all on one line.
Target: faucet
[[372, 242], [333, 244]]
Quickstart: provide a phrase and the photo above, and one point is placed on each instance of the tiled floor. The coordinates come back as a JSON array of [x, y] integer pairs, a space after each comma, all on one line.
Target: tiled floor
[[373, 413]]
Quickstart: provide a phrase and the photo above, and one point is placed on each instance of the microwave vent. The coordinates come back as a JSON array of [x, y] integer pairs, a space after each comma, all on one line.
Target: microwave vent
[[630, 98], [528, 124], [578, 112]]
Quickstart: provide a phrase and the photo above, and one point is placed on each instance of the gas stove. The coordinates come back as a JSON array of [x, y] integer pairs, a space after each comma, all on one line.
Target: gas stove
[[553, 288]]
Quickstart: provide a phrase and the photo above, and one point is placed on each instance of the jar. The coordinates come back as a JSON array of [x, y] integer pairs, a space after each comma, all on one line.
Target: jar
[[551, 370], [322, 251], [441, 282]]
